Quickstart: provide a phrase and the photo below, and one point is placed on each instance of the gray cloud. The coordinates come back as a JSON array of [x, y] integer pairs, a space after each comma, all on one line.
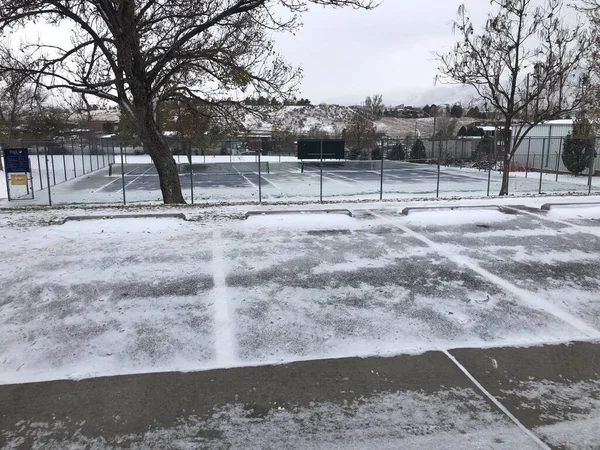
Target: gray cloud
[[348, 54]]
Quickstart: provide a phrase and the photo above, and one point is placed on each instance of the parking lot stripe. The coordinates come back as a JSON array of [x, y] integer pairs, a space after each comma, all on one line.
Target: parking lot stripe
[[496, 402], [543, 217], [225, 343], [529, 298]]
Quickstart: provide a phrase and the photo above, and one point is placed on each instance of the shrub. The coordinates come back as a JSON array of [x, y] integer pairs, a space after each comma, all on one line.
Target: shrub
[[357, 153]]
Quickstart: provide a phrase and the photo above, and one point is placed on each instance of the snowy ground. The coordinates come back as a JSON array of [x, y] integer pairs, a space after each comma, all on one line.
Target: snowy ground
[[125, 296], [130, 296]]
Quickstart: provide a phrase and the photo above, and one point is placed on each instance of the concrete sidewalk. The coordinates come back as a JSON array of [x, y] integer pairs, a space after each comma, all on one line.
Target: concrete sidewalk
[[408, 401]]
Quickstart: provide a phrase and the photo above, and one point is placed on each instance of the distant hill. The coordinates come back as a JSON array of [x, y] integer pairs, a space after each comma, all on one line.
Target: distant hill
[[332, 119]]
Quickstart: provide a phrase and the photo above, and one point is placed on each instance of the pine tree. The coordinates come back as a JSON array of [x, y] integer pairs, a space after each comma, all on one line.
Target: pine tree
[[397, 153], [417, 152], [578, 148]]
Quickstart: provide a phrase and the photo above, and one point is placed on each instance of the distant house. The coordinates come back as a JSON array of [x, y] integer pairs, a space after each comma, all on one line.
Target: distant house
[[99, 121], [405, 112]]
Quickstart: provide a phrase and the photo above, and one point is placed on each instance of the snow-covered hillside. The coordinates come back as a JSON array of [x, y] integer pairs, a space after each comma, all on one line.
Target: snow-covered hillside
[[302, 119], [333, 119]]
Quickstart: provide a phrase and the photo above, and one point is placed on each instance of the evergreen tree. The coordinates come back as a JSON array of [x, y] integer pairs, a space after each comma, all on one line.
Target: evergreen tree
[[397, 153], [417, 152], [578, 148], [485, 147], [456, 111]]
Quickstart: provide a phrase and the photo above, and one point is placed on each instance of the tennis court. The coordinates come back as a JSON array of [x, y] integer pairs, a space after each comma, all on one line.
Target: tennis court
[[242, 178]]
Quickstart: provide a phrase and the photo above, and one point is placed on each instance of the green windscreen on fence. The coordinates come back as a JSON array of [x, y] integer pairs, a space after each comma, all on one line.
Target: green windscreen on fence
[[311, 148]]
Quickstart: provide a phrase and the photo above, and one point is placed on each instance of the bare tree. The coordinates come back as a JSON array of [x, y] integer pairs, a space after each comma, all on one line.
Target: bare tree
[[139, 54], [374, 106], [591, 8], [360, 132], [17, 97], [526, 63], [446, 126]]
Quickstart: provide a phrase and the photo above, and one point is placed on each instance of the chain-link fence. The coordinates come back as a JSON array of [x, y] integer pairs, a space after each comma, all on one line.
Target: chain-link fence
[[256, 170], [57, 161]]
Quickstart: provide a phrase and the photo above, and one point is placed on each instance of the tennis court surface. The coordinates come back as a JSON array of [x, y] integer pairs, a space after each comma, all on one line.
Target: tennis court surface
[[242, 178], [459, 328]]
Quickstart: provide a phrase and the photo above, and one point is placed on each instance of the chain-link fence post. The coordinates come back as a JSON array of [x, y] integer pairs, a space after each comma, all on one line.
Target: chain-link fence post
[[592, 165], [381, 175], [74, 164], [527, 163], [82, 155], [321, 176], [64, 157], [489, 180], [259, 178], [48, 179], [123, 175], [37, 151], [52, 161], [542, 165], [89, 146], [558, 158], [191, 177]]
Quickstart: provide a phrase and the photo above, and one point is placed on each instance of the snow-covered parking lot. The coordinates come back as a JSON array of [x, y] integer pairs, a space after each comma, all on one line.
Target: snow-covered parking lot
[[126, 296]]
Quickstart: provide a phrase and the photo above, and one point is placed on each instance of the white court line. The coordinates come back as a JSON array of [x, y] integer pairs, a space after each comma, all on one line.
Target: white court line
[[496, 402], [113, 181], [316, 175], [272, 184], [529, 298], [245, 178], [225, 342], [136, 178], [262, 175], [353, 180]]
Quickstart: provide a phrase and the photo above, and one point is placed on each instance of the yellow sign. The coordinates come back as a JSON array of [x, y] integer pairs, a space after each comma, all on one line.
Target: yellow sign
[[18, 179]]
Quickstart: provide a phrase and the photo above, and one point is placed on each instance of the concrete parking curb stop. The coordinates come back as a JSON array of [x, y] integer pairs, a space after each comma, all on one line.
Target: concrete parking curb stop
[[300, 211], [126, 216], [549, 206], [407, 211]]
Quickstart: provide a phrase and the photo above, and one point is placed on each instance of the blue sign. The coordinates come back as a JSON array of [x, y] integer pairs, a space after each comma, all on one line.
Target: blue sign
[[16, 160]]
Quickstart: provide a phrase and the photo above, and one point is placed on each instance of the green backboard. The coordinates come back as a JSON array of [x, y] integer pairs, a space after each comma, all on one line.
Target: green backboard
[[311, 148]]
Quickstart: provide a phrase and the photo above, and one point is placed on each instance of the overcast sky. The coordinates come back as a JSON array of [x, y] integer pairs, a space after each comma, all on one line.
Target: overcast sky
[[348, 54]]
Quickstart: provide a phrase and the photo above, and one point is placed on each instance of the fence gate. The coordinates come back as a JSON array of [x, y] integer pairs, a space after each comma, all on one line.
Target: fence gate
[[19, 180]]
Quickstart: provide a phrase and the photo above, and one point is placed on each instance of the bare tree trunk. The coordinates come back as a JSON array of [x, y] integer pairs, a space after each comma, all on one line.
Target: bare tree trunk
[[168, 175]]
